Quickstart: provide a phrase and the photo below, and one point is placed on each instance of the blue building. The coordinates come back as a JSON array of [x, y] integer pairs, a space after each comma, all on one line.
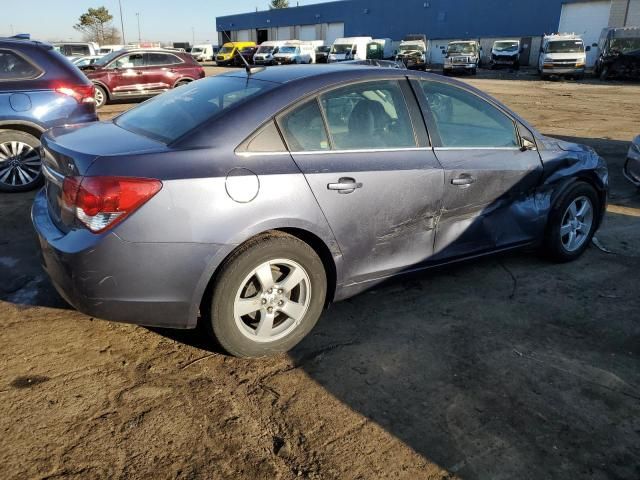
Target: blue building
[[439, 20]]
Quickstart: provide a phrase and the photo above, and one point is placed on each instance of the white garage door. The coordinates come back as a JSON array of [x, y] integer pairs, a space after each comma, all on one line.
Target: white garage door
[[307, 32], [633, 16], [334, 30], [244, 35], [284, 33], [587, 20]]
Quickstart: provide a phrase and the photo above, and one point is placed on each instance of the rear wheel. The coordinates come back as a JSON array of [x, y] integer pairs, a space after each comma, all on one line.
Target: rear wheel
[[20, 162], [182, 83], [100, 96], [604, 74], [268, 296], [572, 223]]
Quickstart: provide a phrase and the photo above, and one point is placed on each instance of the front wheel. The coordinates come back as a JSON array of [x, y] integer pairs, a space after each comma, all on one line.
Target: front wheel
[[20, 161], [572, 223], [268, 296]]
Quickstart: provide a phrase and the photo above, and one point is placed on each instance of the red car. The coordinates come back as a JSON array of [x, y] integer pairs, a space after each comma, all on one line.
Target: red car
[[140, 73]]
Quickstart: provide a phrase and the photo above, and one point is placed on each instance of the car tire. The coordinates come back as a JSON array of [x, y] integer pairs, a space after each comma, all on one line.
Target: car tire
[[181, 83], [101, 97], [252, 276], [21, 167], [572, 223], [474, 71], [604, 74]]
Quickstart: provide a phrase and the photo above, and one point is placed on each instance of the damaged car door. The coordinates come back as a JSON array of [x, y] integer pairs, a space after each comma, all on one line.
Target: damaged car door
[[491, 167], [364, 151]]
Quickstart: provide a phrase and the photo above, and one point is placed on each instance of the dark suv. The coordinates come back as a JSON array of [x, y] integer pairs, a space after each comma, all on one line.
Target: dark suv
[[140, 73], [39, 89]]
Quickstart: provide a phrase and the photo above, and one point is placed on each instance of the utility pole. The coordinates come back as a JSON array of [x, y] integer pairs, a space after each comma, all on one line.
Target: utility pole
[[124, 42], [139, 36], [193, 36], [11, 29]]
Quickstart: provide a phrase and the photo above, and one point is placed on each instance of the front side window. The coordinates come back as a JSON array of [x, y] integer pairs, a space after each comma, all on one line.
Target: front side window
[[129, 61], [369, 115], [14, 67], [465, 120], [169, 116]]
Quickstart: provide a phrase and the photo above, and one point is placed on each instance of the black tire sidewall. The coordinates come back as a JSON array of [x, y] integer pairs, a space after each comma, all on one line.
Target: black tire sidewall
[[553, 241], [235, 270], [32, 141]]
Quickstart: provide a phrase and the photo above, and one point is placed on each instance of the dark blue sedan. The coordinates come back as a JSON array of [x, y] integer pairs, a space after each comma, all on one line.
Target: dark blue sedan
[[39, 89], [251, 201]]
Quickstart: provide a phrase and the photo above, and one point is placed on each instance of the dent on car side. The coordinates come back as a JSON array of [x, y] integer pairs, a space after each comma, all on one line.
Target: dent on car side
[[232, 197]]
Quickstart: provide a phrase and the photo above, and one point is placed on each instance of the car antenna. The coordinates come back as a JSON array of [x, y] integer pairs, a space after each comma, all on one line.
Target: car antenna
[[250, 70]]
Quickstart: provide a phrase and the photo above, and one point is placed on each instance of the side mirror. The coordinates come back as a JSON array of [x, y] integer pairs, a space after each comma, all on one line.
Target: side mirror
[[527, 144], [588, 49]]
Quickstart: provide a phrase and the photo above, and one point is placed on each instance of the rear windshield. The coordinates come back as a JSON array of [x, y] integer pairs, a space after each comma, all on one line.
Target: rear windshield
[[169, 116]]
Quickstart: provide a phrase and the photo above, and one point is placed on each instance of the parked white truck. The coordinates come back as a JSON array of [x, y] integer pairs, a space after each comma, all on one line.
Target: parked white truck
[[562, 54], [413, 52], [295, 51], [349, 48], [462, 56], [505, 53]]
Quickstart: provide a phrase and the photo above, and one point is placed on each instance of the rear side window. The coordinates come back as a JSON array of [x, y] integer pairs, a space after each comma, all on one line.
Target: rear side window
[[161, 59], [15, 67], [368, 115], [465, 120], [129, 61], [303, 128], [169, 116]]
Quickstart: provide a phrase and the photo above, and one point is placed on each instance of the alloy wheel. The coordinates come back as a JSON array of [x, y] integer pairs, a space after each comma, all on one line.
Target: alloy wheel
[[99, 97], [576, 223], [20, 164], [272, 300]]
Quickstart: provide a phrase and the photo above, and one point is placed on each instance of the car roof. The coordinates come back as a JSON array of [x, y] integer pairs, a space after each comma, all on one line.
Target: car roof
[[297, 72], [13, 42]]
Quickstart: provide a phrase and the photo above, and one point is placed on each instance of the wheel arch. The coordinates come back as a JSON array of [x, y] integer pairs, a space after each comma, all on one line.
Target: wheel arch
[[182, 79], [98, 83], [202, 299], [23, 126]]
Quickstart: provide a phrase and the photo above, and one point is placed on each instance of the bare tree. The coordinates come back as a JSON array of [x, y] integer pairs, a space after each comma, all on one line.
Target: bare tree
[[96, 26], [275, 4]]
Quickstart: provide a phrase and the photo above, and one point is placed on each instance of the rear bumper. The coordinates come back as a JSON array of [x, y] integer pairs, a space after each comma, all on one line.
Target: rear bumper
[[152, 284]]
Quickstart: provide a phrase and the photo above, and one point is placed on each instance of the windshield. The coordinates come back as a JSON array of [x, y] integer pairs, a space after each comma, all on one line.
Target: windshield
[[565, 46], [101, 62], [339, 49], [226, 49], [265, 49], [406, 48], [197, 50], [288, 49], [625, 45], [461, 48], [506, 46], [169, 116], [323, 49]]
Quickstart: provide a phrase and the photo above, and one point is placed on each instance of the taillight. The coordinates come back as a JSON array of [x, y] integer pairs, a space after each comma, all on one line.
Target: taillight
[[81, 93], [102, 202]]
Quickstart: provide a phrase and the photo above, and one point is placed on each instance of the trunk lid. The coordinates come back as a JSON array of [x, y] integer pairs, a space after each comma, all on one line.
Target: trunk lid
[[70, 152]]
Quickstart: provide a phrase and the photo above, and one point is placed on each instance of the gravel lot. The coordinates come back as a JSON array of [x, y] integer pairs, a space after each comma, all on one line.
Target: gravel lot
[[503, 368]]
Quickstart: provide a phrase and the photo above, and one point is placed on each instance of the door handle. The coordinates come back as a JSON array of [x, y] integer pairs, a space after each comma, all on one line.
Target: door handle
[[463, 180], [345, 185]]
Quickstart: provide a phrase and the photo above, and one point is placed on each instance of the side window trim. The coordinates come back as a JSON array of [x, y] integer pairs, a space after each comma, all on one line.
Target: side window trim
[[39, 71], [433, 127]]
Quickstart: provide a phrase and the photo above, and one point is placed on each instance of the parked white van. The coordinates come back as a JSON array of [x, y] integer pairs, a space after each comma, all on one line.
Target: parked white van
[[266, 51], [349, 48], [295, 51], [107, 49], [203, 52], [562, 54]]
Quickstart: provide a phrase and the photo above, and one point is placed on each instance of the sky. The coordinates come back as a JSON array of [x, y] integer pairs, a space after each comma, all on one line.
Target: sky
[[160, 20]]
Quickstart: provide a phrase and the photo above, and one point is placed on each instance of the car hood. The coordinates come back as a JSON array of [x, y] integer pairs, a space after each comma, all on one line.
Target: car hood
[[550, 143]]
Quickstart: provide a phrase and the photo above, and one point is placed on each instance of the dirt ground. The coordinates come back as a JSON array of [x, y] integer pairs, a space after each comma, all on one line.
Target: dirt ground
[[508, 367]]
